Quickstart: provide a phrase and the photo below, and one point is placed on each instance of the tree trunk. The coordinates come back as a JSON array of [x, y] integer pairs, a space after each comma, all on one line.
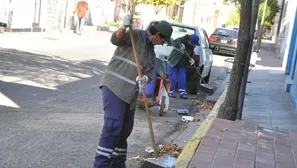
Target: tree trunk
[[229, 108]]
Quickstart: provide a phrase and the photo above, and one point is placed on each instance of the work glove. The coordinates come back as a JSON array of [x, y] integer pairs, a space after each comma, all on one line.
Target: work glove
[[142, 81], [182, 46], [192, 61], [127, 20]]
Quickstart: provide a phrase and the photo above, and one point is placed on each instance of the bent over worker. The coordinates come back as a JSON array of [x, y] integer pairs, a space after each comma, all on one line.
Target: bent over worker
[[120, 90], [178, 62]]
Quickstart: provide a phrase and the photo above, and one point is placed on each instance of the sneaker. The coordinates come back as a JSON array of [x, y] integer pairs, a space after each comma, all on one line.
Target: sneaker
[[171, 95], [183, 96]]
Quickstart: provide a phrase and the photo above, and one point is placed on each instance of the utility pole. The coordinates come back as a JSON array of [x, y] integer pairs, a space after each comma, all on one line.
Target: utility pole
[[259, 39], [66, 14], [248, 60]]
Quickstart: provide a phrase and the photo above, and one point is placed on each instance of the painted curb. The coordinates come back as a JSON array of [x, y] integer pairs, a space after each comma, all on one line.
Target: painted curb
[[188, 152]]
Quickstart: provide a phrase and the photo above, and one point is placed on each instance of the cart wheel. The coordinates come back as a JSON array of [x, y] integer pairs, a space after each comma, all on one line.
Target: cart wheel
[[162, 106]]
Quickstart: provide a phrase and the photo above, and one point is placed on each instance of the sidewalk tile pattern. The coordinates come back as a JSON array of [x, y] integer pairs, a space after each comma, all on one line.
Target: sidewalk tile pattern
[[243, 144], [267, 103]]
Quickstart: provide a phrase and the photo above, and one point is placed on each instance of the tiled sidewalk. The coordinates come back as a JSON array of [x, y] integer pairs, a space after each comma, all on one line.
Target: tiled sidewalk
[[243, 144], [266, 102], [267, 135]]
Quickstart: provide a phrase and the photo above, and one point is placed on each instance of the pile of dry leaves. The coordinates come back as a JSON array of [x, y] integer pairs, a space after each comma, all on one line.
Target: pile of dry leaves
[[204, 104], [171, 149], [183, 127], [167, 148]]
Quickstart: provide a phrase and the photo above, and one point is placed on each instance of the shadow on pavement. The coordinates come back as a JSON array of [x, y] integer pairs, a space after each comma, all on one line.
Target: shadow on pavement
[[269, 60], [48, 83]]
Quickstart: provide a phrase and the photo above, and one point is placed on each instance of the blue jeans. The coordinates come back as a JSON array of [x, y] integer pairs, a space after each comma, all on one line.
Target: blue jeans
[[80, 24], [180, 75]]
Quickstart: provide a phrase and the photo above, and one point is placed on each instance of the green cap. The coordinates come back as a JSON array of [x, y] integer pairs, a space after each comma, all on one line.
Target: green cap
[[165, 29]]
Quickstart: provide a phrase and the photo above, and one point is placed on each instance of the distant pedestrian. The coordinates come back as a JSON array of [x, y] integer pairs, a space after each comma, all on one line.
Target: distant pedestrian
[[81, 10], [3, 15]]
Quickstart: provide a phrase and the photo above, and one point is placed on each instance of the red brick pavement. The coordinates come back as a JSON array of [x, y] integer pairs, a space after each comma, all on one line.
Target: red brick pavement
[[242, 144]]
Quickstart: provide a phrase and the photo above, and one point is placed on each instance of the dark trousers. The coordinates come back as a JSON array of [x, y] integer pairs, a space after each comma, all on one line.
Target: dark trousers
[[118, 124]]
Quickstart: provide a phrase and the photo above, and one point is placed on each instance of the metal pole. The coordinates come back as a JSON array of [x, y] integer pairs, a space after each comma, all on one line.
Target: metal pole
[[34, 20], [248, 60], [261, 27], [66, 15], [39, 14], [194, 14], [280, 18]]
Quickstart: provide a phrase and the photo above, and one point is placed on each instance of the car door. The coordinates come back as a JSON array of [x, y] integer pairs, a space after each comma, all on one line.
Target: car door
[[208, 52]]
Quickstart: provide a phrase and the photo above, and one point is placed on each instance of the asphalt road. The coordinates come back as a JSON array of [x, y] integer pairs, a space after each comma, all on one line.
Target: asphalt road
[[50, 104]]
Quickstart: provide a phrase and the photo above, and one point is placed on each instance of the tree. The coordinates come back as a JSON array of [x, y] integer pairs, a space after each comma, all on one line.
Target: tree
[[229, 107], [233, 20], [236, 3], [271, 10], [160, 4], [129, 6]]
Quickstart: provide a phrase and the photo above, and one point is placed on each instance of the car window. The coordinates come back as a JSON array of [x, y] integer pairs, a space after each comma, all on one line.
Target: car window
[[181, 31], [203, 40], [226, 32], [206, 38]]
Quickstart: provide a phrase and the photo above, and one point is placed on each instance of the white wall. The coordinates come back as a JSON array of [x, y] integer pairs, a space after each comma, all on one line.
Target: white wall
[[4, 8], [202, 13], [286, 31], [23, 13]]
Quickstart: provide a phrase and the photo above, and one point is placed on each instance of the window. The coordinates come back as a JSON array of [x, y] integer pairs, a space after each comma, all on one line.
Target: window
[[203, 39], [181, 31], [226, 32]]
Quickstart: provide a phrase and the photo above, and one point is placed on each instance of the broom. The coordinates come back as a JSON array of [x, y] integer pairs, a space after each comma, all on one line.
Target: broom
[[152, 162], [147, 112]]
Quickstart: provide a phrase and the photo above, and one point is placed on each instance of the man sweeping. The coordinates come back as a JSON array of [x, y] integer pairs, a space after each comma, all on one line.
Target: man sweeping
[[178, 62], [120, 89]]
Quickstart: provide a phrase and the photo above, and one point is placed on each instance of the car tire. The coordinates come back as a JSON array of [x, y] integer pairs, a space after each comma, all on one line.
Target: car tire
[[206, 79]]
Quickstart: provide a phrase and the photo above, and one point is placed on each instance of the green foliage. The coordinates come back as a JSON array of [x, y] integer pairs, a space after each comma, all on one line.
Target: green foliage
[[160, 4], [113, 24], [163, 2], [234, 18], [236, 3], [130, 5], [271, 10], [175, 19]]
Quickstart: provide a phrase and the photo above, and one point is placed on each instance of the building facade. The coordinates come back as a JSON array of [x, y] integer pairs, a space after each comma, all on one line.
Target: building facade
[[290, 47], [42, 15], [207, 14]]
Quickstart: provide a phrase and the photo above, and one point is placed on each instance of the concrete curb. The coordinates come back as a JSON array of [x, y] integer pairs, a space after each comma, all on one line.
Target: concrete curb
[[188, 152]]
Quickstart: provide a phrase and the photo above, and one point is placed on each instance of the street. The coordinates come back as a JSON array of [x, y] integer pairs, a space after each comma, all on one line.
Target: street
[[51, 110]]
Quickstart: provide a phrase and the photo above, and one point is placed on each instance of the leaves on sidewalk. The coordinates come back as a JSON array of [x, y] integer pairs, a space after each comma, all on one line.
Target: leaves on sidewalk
[[204, 104], [171, 149], [140, 159], [183, 127]]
